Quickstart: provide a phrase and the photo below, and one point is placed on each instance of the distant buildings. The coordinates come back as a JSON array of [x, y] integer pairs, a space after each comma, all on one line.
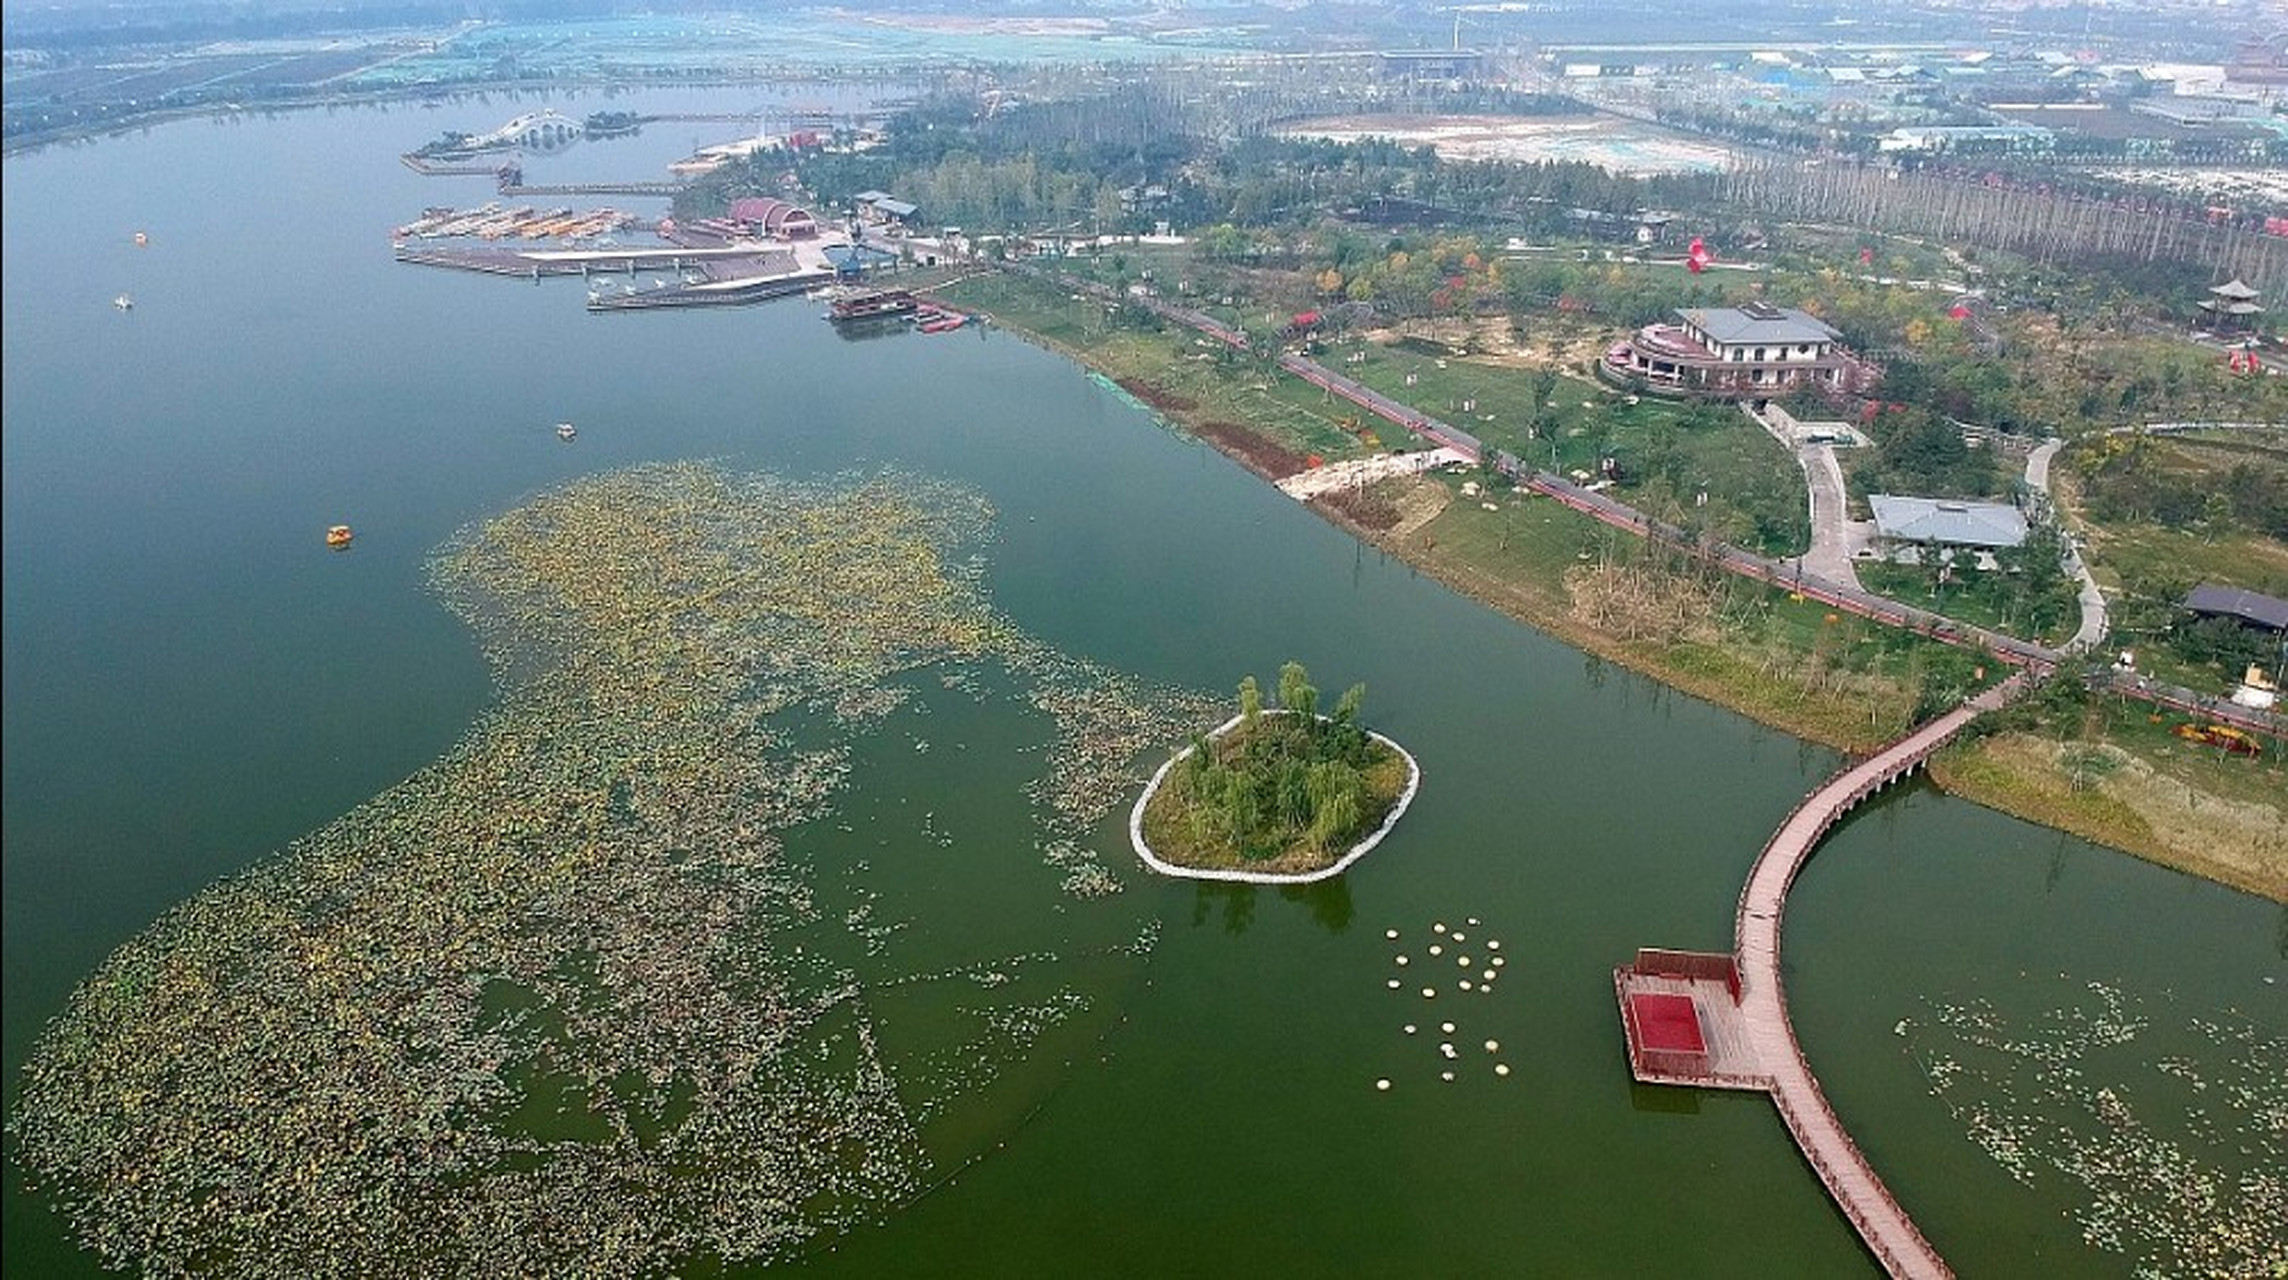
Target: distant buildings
[[882, 209], [2011, 137], [1737, 352], [774, 217], [2194, 110], [1431, 64]]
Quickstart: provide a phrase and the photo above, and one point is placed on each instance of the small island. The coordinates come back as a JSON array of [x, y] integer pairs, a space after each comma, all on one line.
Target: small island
[[1283, 796]]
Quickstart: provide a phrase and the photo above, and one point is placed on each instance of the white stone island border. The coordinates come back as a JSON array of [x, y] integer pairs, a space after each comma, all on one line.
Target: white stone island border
[[1340, 865]]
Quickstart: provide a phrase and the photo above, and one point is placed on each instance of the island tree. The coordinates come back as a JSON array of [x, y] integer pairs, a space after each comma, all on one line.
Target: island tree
[[1279, 790]]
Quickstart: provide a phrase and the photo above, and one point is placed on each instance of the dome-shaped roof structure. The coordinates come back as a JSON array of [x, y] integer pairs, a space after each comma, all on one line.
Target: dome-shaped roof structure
[[775, 217]]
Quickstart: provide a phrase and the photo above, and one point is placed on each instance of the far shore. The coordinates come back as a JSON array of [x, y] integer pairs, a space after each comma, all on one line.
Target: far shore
[[2012, 785]]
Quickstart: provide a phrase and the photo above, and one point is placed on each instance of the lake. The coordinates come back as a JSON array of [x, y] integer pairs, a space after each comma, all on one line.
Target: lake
[[192, 681]]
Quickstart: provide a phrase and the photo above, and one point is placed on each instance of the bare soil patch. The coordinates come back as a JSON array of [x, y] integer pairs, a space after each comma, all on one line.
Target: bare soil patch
[[1265, 458], [1370, 509], [1167, 402]]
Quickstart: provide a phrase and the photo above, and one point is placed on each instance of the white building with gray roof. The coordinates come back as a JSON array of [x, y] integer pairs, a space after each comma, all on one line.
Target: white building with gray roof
[[1753, 350], [1945, 522]]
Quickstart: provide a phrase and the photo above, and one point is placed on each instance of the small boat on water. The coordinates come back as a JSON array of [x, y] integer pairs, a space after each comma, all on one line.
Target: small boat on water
[[566, 431], [338, 536], [123, 302], [873, 306]]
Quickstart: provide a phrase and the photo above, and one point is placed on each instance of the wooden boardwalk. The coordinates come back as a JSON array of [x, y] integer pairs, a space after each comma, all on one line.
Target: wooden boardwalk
[[1771, 1059]]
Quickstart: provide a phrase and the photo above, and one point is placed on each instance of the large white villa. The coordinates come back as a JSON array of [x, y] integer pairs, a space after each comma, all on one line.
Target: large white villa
[[1738, 352]]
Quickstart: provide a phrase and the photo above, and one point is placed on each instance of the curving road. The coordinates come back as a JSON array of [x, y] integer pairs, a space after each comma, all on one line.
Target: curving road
[[2093, 624]]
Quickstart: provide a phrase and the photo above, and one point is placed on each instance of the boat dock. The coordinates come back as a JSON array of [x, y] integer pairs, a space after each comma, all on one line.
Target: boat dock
[[728, 291], [1721, 1021], [535, 263], [512, 183]]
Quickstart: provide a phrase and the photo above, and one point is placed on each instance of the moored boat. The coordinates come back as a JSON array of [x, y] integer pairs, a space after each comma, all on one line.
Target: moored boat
[[873, 306]]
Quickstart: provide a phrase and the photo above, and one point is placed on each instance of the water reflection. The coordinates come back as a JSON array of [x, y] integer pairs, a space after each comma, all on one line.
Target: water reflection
[[2059, 849], [1329, 900], [1237, 902], [1664, 1099]]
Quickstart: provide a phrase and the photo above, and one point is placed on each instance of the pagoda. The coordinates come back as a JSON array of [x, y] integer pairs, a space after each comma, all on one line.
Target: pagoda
[[2232, 305]]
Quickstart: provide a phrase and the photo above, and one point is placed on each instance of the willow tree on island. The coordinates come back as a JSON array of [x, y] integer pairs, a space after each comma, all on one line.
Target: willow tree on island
[[1274, 784]]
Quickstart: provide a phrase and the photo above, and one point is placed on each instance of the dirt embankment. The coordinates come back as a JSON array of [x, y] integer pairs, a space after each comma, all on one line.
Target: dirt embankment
[[1271, 460], [1167, 402], [1266, 458]]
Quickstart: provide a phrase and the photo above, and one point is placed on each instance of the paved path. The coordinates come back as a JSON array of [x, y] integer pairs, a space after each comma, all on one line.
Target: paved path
[[1835, 536], [2093, 625]]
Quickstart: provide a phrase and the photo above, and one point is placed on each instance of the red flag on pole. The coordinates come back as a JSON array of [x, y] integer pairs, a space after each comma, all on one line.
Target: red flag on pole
[[1866, 257], [1697, 257], [1958, 312]]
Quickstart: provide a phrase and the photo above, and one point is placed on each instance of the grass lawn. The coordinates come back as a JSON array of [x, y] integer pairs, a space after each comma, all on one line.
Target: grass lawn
[[1669, 451], [1787, 661], [2124, 551], [1991, 599], [2118, 774], [1194, 372]]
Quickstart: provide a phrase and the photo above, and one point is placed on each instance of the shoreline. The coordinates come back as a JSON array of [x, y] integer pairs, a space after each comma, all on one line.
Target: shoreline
[[2023, 799]]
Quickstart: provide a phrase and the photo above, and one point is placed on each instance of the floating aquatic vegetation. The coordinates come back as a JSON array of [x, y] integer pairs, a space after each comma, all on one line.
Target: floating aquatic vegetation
[[2178, 1160], [539, 1009]]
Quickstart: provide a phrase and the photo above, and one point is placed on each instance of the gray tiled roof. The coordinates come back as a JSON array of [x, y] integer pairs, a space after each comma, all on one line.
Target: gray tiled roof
[[1957, 524], [1780, 326], [2269, 611]]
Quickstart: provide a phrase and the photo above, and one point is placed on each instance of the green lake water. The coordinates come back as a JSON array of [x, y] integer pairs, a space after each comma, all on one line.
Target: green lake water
[[191, 682]]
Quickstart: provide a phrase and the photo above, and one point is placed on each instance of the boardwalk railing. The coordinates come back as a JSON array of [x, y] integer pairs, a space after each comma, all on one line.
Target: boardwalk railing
[[1874, 1212]]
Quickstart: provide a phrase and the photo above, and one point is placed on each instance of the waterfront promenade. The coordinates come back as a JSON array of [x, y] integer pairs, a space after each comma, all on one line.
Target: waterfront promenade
[[1890, 1234]]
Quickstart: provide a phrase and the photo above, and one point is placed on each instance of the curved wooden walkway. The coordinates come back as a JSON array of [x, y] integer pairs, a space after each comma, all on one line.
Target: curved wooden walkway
[[1886, 1228], [1741, 1004]]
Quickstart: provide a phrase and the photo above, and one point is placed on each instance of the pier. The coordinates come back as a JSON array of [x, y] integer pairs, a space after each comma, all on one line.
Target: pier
[[512, 183], [1721, 1021]]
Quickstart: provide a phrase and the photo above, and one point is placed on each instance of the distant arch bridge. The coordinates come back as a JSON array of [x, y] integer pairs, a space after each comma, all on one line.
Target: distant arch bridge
[[537, 129]]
